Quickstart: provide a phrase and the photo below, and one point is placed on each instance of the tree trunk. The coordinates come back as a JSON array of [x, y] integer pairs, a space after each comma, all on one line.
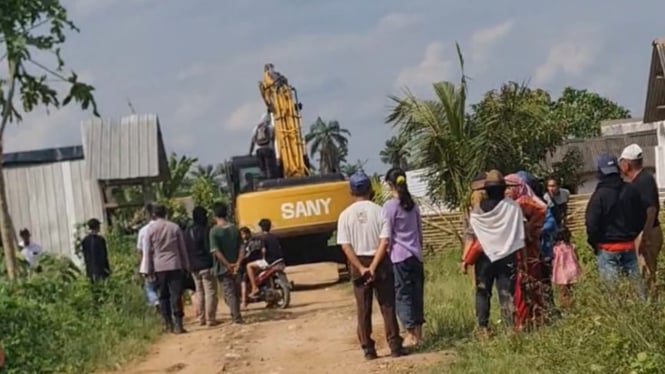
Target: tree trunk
[[6, 226]]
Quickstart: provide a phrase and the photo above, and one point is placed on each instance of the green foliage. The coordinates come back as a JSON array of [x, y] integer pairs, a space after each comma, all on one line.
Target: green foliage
[[583, 111], [566, 171], [21, 31], [349, 169], [330, 141], [396, 153], [51, 324], [518, 129], [441, 138], [178, 182]]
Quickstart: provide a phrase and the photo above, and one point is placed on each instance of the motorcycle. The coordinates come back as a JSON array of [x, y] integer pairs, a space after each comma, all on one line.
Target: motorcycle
[[274, 286]]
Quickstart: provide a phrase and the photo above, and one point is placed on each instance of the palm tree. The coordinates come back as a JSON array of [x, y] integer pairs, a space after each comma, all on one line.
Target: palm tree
[[178, 182], [349, 169], [328, 140], [442, 138], [395, 153]]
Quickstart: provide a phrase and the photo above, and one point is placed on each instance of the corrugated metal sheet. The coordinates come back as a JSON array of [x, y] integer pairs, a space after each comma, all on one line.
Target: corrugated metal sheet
[[131, 148], [656, 86], [415, 181], [50, 199]]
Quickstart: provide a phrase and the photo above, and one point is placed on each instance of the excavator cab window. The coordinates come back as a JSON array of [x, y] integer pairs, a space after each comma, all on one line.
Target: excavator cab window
[[243, 174]]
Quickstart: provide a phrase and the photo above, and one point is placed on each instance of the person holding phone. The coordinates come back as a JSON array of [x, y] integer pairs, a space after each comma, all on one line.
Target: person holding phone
[[364, 233]]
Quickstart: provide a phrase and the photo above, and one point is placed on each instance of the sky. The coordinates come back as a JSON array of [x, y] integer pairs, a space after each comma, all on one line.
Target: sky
[[197, 63]]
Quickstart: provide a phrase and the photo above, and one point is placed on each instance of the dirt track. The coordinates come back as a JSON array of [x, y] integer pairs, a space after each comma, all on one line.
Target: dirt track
[[315, 335]]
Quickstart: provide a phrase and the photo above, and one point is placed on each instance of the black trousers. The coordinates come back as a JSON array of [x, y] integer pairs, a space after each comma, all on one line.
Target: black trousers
[[171, 287], [502, 272], [267, 162]]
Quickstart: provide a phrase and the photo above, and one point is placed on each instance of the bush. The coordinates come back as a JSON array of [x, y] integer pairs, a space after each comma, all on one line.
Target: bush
[[605, 332], [51, 323]]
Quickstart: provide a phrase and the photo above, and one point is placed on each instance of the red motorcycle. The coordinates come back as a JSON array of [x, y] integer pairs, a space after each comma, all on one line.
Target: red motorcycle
[[274, 286]]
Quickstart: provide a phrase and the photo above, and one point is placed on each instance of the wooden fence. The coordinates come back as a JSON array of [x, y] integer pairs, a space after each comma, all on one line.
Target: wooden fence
[[442, 230]]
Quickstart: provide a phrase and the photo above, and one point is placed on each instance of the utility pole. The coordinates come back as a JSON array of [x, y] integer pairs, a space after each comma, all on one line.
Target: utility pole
[[131, 106]]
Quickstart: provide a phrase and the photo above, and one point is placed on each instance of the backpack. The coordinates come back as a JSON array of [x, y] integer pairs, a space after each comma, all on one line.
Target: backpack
[[263, 134]]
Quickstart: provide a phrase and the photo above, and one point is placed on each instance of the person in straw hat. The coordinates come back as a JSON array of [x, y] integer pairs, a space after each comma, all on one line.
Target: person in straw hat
[[497, 225]]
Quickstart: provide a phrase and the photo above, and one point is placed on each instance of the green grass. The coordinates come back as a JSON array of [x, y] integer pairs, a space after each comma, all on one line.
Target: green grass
[[49, 323], [606, 332]]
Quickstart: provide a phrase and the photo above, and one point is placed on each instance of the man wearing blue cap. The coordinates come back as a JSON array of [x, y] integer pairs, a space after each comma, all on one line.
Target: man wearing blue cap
[[614, 218], [363, 233]]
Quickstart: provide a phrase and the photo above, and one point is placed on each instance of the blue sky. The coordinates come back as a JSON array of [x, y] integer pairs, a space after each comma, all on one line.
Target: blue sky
[[196, 63]]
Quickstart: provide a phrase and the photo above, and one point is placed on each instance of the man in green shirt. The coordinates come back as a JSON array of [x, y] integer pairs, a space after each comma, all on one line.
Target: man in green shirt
[[225, 245]]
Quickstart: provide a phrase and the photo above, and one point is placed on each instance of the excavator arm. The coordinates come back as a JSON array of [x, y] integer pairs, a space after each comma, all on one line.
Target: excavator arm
[[282, 102]]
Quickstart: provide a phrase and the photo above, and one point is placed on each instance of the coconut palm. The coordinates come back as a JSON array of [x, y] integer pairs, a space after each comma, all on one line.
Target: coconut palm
[[395, 153], [213, 174], [442, 138], [328, 140]]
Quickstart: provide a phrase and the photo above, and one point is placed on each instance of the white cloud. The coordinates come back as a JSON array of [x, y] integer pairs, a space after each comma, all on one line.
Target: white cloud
[[246, 116], [435, 66], [572, 56], [482, 43]]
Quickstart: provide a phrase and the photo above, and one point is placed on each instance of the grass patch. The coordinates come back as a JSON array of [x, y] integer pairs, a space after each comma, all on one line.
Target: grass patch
[[606, 331], [50, 323]]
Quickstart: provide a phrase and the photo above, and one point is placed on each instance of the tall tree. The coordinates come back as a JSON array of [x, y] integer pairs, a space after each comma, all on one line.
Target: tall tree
[[519, 129], [213, 174], [583, 111], [329, 140], [27, 27], [441, 138], [395, 153]]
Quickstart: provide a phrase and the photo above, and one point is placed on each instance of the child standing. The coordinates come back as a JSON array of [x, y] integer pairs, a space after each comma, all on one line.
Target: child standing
[[565, 267]]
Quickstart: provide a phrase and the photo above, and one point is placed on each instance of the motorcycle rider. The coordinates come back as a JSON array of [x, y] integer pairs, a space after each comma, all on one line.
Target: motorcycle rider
[[271, 251], [252, 247]]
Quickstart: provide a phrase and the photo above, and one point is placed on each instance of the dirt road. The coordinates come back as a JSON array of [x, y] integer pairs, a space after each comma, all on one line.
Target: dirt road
[[315, 335]]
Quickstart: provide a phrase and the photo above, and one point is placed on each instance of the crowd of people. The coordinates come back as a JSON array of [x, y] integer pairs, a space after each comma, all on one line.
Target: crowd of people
[[518, 239], [204, 256]]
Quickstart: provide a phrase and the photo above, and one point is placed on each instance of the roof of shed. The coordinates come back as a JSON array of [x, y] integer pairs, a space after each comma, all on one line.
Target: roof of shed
[[654, 108], [129, 149], [42, 156]]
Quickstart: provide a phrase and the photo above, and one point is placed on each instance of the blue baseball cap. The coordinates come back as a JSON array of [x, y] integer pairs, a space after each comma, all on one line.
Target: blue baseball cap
[[360, 183], [607, 164]]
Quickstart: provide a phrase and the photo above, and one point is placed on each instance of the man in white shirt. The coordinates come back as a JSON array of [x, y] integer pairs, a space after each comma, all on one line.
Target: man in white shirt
[[363, 233], [29, 249], [150, 285]]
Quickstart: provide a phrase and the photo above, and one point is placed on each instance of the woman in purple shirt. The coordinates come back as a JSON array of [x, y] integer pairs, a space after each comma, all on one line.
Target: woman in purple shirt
[[406, 254]]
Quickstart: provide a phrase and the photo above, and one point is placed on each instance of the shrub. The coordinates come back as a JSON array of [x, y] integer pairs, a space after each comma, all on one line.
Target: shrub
[[52, 324]]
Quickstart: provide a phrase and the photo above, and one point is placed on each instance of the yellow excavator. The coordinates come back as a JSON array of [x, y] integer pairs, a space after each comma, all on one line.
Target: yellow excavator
[[302, 206]]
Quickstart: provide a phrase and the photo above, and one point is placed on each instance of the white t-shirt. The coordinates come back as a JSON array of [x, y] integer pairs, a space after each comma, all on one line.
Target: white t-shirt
[[142, 246], [362, 225], [31, 252]]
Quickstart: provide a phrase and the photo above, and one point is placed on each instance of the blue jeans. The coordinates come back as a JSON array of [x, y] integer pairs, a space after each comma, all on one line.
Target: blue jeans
[[150, 289], [409, 287], [612, 264]]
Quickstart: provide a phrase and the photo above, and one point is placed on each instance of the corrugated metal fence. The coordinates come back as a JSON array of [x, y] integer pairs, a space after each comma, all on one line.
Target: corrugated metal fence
[[442, 230]]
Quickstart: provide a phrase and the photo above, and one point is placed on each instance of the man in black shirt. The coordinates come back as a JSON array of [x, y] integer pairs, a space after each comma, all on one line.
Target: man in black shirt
[[272, 251], [200, 260], [650, 240], [613, 221], [95, 254]]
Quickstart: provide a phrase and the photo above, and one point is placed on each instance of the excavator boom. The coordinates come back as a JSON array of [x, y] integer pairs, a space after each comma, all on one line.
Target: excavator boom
[[281, 100]]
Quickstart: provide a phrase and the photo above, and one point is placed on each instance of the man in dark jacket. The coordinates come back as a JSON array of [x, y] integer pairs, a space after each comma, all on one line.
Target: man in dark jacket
[[95, 256], [614, 218], [200, 260]]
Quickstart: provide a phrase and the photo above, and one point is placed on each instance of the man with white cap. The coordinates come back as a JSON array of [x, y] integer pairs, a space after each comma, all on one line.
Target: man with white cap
[[613, 221], [650, 240]]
